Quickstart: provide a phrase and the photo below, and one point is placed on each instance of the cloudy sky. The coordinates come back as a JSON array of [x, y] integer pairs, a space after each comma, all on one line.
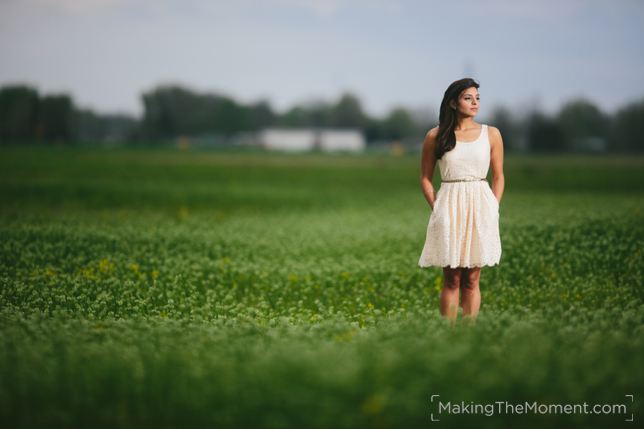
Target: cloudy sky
[[525, 54]]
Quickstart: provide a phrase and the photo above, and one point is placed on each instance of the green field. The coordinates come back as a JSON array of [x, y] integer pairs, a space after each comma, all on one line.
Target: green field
[[162, 288]]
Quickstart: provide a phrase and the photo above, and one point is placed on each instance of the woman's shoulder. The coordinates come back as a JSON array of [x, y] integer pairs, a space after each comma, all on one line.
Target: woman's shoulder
[[494, 135], [430, 138], [492, 130], [433, 132]]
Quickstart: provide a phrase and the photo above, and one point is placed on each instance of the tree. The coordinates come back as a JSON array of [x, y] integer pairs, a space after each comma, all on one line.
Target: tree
[[318, 114], [171, 110], [399, 124], [544, 134], [18, 113], [627, 131], [580, 120], [503, 119], [55, 118], [347, 112], [295, 116], [261, 115]]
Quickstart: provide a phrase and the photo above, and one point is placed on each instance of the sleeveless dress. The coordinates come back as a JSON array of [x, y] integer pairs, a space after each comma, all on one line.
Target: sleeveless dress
[[463, 228]]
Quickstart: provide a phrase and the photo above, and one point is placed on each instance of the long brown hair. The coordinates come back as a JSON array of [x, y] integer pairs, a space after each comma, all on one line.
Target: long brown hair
[[447, 119]]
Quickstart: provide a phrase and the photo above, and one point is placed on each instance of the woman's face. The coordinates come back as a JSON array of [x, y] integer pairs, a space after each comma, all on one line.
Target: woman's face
[[468, 102]]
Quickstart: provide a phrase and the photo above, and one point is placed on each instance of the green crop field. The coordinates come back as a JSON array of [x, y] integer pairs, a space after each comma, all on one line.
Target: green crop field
[[163, 288]]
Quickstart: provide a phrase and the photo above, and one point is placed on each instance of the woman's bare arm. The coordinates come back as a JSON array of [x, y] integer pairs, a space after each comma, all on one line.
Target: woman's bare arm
[[496, 162], [427, 164]]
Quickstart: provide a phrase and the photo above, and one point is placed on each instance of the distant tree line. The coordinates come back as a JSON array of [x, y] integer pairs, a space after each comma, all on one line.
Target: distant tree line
[[171, 111], [579, 125], [28, 117]]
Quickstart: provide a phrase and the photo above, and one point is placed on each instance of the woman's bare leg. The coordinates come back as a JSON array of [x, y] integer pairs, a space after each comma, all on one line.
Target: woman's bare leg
[[450, 292], [471, 292], [462, 284]]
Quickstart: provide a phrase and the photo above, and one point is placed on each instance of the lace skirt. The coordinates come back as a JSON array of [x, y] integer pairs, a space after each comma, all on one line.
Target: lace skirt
[[463, 229]]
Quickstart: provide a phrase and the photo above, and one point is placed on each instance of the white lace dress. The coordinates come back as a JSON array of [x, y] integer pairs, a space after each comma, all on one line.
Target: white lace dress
[[463, 228]]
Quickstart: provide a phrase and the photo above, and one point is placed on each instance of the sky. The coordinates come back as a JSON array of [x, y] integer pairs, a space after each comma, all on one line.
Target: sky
[[525, 54]]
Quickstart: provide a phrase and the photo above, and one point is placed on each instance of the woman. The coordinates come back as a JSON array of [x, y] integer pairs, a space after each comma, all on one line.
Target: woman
[[463, 229]]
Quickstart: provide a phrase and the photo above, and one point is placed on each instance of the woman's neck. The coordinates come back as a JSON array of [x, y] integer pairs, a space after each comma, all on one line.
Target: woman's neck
[[466, 123]]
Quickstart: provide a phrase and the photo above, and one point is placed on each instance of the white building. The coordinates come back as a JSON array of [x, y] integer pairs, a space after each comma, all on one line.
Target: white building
[[344, 140], [306, 139], [287, 139]]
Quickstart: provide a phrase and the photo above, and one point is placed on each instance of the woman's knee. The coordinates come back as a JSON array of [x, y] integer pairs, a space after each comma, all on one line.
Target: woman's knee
[[470, 284], [452, 285], [471, 279], [453, 281]]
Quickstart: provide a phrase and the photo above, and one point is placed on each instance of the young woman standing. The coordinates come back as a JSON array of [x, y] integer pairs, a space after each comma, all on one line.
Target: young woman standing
[[463, 229]]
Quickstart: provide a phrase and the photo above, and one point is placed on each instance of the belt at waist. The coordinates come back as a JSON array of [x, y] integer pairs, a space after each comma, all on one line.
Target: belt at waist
[[464, 180]]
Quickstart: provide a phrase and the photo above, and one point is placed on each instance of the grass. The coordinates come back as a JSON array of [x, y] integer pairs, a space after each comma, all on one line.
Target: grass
[[162, 288]]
